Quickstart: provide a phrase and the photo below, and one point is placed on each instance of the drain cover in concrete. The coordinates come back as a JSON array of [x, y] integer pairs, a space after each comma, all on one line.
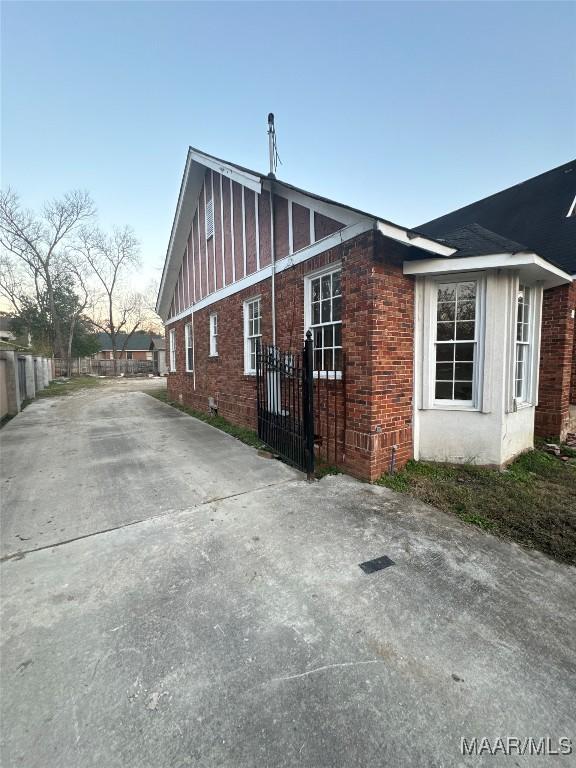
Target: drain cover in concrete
[[376, 565]]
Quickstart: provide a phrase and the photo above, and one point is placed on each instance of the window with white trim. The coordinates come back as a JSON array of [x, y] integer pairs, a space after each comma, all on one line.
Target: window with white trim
[[456, 344], [209, 219], [172, 350], [214, 335], [522, 358], [324, 318], [188, 347], [252, 333], [129, 355]]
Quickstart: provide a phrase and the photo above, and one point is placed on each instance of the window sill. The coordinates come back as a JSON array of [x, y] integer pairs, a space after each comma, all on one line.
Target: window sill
[[212, 357], [470, 407], [188, 371], [328, 375], [522, 404], [249, 374]]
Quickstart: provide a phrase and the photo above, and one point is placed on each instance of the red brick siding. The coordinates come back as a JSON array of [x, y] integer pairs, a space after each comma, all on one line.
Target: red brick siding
[[264, 228], [203, 252], [573, 385], [556, 362], [197, 260], [217, 232], [324, 226], [300, 226], [280, 227], [238, 232], [208, 269], [377, 324], [250, 222], [227, 229]]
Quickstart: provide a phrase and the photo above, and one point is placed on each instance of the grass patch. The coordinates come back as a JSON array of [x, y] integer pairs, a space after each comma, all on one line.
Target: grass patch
[[59, 387], [532, 502], [322, 470], [245, 435]]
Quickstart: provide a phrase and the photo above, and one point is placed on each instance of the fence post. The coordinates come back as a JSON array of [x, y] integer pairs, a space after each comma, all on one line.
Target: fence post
[[308, 403]]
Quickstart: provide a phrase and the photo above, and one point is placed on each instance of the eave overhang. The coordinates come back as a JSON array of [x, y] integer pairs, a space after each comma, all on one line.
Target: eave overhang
[[529, 265]]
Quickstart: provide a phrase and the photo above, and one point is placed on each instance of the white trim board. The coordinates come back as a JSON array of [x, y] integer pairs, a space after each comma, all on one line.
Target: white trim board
[[342, 236], [532, 266], [242, 177], [198, 163]]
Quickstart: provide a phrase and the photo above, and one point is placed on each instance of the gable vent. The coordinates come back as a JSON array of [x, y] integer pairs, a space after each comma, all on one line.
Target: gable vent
[[209, 219]]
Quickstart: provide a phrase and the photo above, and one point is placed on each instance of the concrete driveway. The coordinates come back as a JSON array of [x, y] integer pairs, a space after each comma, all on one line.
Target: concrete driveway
[[171, 598]]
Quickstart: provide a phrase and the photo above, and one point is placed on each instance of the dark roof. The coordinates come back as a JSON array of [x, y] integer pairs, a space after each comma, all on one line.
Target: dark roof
[[474, 240], [534, 212], [138, 342]]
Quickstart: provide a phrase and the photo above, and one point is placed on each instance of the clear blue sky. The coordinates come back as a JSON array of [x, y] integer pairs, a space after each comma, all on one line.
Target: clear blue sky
[[407, 110]]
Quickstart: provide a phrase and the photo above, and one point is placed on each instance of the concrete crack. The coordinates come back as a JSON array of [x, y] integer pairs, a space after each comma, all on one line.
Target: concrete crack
[[327, 666], [21, 553]]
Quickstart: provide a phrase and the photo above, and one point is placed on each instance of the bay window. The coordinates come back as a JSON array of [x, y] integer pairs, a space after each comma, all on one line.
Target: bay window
[[456, 345], [522, 358]]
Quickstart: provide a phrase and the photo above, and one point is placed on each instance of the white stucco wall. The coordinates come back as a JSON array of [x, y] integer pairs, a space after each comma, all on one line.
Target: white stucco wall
[[493, 431]]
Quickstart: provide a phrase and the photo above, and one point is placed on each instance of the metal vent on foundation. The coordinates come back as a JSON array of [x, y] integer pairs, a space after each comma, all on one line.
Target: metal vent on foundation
[[370, 566]]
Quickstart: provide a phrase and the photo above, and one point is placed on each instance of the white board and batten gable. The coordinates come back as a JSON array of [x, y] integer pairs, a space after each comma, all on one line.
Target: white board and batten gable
[[221, 236]]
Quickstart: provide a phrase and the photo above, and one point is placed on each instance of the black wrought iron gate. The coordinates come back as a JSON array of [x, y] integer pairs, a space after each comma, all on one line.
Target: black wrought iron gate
[[285, 398]]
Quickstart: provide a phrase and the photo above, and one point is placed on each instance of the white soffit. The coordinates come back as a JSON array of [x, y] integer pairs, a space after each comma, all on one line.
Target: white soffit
[[530, 266]]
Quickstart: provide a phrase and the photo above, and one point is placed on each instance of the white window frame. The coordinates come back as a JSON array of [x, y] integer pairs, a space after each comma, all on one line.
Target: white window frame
[[526, 396], [172, 350], [188, 346], [428, 353], [214, 334], [248, 337], [308, 279]]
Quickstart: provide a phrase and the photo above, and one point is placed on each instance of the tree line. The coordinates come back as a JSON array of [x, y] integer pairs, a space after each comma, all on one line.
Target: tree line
[[66, 279]]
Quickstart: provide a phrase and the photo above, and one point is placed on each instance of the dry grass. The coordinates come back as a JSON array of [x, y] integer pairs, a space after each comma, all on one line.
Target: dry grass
[[533, 502]]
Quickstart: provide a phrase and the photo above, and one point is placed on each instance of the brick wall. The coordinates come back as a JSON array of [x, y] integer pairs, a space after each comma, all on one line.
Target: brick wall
[[371, 409], [557, 365]]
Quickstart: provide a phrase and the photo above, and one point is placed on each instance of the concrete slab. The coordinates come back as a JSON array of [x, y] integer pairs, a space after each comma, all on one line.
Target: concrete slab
[[241, 632], [102, 458]]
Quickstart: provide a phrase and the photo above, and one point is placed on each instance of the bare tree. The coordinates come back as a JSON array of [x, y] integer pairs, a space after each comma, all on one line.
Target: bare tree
[[111, 258], [78, 270], [35, 242]]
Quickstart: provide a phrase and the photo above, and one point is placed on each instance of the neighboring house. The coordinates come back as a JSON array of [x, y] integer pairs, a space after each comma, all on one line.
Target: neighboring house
[[539, 213], [137, 347], [158, 349], [6, 333], [419, 337]]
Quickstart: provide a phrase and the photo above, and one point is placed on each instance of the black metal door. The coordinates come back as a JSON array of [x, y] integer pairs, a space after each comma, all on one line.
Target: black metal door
[[285, 400]]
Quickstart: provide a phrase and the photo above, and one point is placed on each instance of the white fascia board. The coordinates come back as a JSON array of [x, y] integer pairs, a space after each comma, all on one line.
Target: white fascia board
[[331, 241], [527, 262], [411, 238], [242, 177], [165, 271], [196, 165]]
